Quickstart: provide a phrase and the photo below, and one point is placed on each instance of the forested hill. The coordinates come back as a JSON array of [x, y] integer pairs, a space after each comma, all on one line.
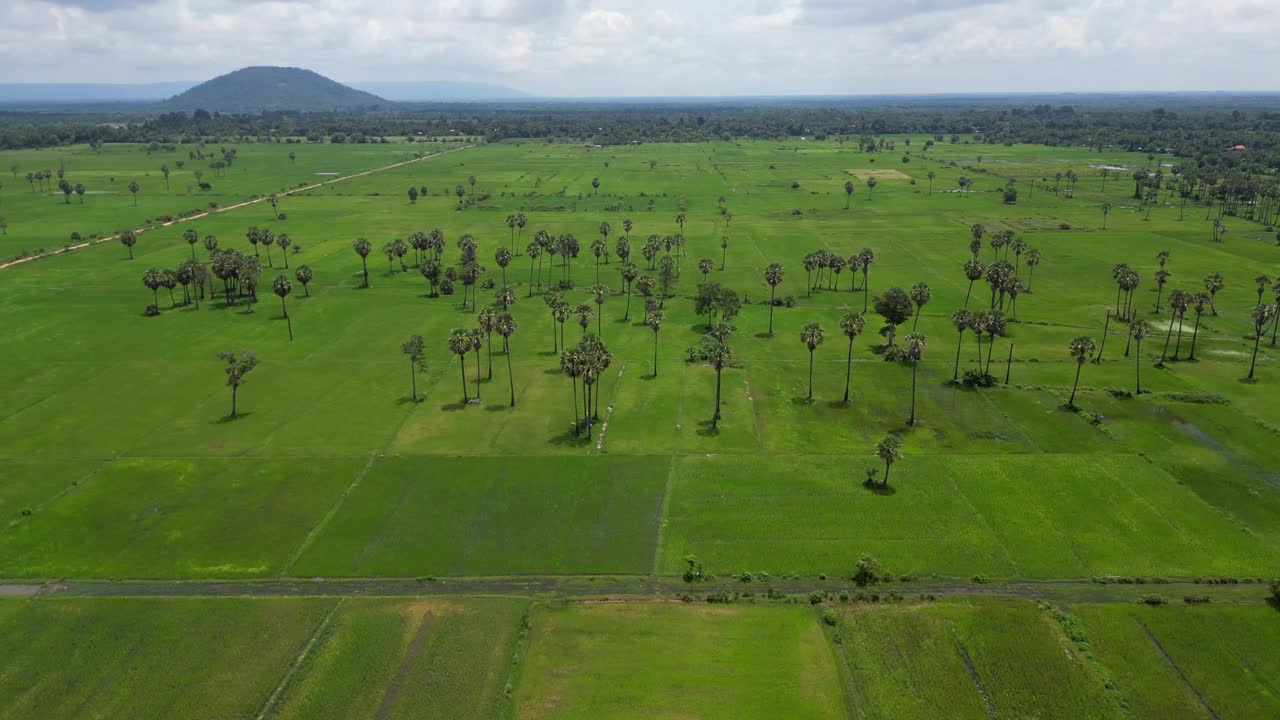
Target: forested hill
[[273, 88]]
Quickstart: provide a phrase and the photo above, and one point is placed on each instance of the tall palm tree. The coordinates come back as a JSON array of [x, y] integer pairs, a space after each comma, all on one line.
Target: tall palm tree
[[915, 351], [600, 293], [889, 449], [1138, 332], [851, 325], [1081, 349], [1213, 283], [412, 348], [502, 256], [974, 269], [605, 229], [1033, 260], [716, 354], [848, 193], [476, 336], [680, 220], [363, 247], [1162, 277], [920, 295], [866, 258], [654, 320], [487, 320], [506, 326], [629, 273], [191, 237], [871, 185], [571, 364], [962, 319], [773, 277], [1262, 315], [460, 345], [812, 336], [533, 250], [932, 175], [282, 287], [1198, 300]]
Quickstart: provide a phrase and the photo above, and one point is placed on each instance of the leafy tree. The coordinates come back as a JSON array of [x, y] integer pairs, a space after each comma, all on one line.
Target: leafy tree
[[238, 366], [282, 287], [303, 275], [851, 325], [1081, 349], [812, 336], [895, 306], [460, 345], [506, 326], [363, 247], [128, 239], [889, 450], [413, 195], [915, 351]]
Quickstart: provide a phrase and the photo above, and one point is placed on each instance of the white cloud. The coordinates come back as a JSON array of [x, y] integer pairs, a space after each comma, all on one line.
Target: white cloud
[[662, 47]]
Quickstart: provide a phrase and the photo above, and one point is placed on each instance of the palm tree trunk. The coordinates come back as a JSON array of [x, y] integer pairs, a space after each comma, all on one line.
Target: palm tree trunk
[[967, 294], [413, 380], [887, 465], [477, 374], [462, 365], [1254, 362], [865, 291], [511, 379], [1165, 351], [574, 382], [365, 264], [715, 419], [773, 291], [1097, 359], [655, 354], [1177, 347], [955, 375], [626, 315], [848, 371], [236, 388], [916, 323], [1071, 403], [1195, 331], [488, 338], [1137, 364]]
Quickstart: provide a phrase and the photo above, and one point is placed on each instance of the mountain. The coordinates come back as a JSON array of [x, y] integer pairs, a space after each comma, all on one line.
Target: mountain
[[440, 91], [272, 88], [38, 93]]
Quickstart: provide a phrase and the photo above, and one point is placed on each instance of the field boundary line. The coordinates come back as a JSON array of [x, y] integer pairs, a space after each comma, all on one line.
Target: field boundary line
[[1174, 666], [289, 674], [207, 213], [963, 653], [337, 505]]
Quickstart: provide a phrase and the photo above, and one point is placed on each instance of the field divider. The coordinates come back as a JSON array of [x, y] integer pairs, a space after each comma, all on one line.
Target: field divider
[[289, 674], [246, 203]]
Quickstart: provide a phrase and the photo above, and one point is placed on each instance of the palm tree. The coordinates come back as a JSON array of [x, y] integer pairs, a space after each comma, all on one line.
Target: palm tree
[[812, 336], [506, 326], [1213, 282], [153, 279], [680, 220], [962, 319], [974, 269], [866, 258], [363, 247], [533, 250], [773, 277], [282, 287], [851, 325], [1033, 260], [705, 266], [915, 351], [601, 292], [413, 349], [128, 239], [920, 295], [133, 189], [486, 319], [1106, 210], [1179, 302], [472, 182], [284, 241], [716, 354], [511, 230], [871, 185], [239, 364], [1162, 276], [1138, 332], [460, 345], [654, 320], [931, 177], [848, 193], [629, 273], [585, 313], [1081, 348], [1199, 299], [303, 275], [595, 186], [889, 449], [80, 191], [605, 229], [1262, 315], [1262, 282], [476, 336], [191, 237]]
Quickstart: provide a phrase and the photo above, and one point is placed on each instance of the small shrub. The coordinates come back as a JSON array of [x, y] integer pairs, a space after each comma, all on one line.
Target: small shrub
[[282, 217], [1196, 599], [26, 512], [816, 597], [75, 237], [829, 617], [795, 184], [868, 571], [1153, 599], [978, 379], [980, 579], [1119, 393], [152, 311], [1064, 226]]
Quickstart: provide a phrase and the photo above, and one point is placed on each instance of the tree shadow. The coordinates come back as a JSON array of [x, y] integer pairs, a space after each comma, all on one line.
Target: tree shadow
[[800, 400], [496, 408], [569, 438], [410, 401], [232, 418], [876, 488], [837, 404], [706, 429], [763, 335], [454, 406], [649, 378], [553, 371]]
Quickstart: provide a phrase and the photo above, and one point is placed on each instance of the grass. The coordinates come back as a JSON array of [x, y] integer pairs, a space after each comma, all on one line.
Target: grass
[[144, 658], [966, 659], [395, 659], [669, 660]]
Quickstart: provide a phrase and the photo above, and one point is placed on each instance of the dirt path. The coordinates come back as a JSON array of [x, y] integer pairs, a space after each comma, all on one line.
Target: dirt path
[[229, 208], [620, 587]]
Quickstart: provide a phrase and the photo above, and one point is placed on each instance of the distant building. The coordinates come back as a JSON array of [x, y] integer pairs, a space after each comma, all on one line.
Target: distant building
[[1237, 147]]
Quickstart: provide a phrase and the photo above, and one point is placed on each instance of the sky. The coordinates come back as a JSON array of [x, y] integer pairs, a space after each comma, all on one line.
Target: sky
[[581, 48]]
